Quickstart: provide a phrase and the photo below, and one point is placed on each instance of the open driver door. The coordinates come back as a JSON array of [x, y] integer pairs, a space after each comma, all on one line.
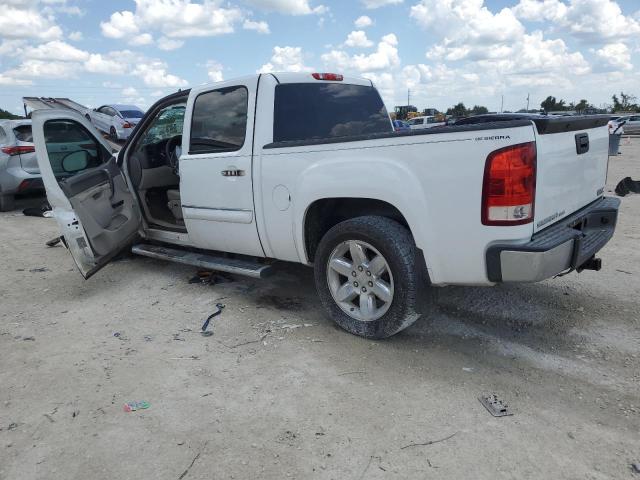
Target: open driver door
[[92, 204]]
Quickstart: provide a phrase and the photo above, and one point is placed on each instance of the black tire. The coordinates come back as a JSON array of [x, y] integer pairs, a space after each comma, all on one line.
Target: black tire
[[113, 134], [87, 117], [7, 203], [396, 245]]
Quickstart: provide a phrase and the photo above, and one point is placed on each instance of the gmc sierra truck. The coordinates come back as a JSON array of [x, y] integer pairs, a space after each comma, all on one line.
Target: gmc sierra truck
[[307, 168]]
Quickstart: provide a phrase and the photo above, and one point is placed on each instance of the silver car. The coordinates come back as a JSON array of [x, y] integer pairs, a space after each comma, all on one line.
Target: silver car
[[19, 171], [116, 120], [631, 125]]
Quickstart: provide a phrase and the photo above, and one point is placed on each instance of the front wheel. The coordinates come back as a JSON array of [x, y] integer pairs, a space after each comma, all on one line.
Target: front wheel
[[369, 275], [113, 134]]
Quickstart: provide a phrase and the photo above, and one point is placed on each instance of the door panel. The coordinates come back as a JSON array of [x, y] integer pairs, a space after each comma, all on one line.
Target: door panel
[[216, 178], [91, 201]]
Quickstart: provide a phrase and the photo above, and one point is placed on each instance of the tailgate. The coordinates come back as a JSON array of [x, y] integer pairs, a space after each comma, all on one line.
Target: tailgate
[[569, 175]]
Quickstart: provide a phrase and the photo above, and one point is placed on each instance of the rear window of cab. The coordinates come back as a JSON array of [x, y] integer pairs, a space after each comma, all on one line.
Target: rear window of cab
[[310, 111]]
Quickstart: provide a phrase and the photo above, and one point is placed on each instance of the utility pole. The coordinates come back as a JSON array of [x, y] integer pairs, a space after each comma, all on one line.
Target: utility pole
[[501, 103], [408, 96], [527, 103]]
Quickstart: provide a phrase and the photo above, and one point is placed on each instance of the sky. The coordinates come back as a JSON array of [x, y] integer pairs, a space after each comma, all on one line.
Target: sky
[[440, 52]]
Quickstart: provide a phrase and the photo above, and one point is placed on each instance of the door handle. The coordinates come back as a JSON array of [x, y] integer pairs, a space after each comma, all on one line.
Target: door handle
[[232, 173]]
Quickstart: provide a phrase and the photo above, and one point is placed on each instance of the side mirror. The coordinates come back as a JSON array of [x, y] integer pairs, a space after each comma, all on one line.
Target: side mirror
[[75, 161]]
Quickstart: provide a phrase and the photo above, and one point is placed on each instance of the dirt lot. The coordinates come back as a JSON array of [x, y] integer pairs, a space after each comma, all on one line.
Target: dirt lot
[[279, 392]]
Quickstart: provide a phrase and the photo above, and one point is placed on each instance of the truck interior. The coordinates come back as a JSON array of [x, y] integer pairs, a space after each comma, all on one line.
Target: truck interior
[[153, 166]]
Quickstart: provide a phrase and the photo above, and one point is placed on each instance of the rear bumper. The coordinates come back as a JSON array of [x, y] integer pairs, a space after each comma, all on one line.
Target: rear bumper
[[15, 180], [564, 246]]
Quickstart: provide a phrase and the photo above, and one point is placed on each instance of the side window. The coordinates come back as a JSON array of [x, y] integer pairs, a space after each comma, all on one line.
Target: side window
[[71, 148], [167, 123], [418, 121], [23, 133], [219, 122]]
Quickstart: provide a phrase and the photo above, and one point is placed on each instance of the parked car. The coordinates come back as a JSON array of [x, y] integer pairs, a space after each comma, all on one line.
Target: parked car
[[401, 126], [616, 125], [19, 172], [306, 168], [631, 123], [417, 123], [116, 120]]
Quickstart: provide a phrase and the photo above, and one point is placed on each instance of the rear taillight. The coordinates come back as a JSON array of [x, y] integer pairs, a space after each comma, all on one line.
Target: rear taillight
[[334, 77], [509, 187], [18, 149]]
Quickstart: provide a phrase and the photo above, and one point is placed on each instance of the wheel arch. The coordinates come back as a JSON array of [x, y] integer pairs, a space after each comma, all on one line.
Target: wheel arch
[[324, 213]]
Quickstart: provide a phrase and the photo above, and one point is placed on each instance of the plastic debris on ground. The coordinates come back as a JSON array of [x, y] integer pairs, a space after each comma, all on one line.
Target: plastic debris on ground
[[133, 406], [626, 186], [205, 325]]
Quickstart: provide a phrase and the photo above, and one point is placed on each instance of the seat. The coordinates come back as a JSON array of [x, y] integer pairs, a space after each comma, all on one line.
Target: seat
[[174, 204]]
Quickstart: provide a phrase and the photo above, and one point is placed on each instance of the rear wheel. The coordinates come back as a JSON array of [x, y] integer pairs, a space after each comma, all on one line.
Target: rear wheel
[[7, 203], [368, 275], [113, 134]]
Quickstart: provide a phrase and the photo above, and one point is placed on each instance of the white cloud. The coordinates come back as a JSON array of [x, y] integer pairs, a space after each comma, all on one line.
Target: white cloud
[[108, 64], [614, 56], [76, 36], [120, 25], [55, 50], [289, 7], [44, 69], [11, 81], [214, 71], [260, 27], [467, 23], [174, 18], [21, 19], [167, 44], [142, 39], [363, 22], [385, 57], [286, 59], [358, 38], [371, 4], [589, 20], [536, 10], [130, 92], [154, 74]]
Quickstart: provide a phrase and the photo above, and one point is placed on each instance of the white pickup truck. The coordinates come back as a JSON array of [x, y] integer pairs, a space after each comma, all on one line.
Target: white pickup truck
[[306, 168]]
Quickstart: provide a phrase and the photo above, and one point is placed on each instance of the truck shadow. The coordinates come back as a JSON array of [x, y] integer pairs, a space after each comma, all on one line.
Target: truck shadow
[[546, 315]]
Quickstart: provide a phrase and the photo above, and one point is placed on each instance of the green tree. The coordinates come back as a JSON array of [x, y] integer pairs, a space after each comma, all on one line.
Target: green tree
[[458, 110], [4, 115], [582, 105], [550, 104], [626, 103], [478, 110]]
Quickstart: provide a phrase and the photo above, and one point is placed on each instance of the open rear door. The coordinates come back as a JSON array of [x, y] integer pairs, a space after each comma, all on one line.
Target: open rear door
[[95, 210]]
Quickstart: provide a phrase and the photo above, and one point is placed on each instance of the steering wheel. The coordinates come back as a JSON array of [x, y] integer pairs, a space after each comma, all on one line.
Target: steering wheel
[[173, 150]]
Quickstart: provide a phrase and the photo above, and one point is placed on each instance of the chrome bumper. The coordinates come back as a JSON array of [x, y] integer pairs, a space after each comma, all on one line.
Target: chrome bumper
[[564, 246]]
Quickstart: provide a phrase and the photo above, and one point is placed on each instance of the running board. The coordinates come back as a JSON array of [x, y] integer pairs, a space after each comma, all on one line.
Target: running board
[[201, 260]]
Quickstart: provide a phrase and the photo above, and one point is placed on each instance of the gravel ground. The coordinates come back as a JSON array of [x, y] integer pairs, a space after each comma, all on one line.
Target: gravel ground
[[279, 392]]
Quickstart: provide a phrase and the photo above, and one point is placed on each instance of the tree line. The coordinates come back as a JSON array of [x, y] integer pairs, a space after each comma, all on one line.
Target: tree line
[[624, 102]]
